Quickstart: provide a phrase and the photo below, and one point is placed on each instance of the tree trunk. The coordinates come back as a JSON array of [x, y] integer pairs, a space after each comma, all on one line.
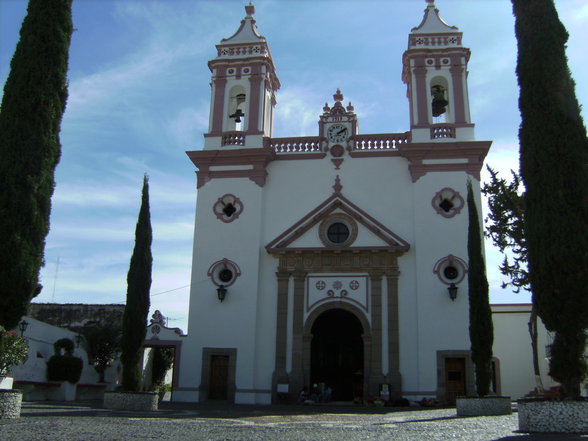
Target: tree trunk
[[539, 390]]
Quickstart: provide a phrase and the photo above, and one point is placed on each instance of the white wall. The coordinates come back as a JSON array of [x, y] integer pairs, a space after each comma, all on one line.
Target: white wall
[[512, 346], [40, 337]]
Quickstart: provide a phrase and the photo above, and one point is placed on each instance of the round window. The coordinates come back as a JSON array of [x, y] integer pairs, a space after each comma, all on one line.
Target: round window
[[225, 275], [450, 269], [224, 272], [338, 232], [450, 272]]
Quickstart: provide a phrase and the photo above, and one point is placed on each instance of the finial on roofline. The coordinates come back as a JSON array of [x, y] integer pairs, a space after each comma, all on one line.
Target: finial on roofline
[[250, 9]]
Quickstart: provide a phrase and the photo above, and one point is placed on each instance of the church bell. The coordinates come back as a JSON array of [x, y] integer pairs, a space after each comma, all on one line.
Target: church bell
[[439, 102]]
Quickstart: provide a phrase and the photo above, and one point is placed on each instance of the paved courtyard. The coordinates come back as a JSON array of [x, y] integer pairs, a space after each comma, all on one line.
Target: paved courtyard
[[50, 421]]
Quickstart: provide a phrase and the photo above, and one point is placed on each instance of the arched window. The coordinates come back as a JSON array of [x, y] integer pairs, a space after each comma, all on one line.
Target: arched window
[[440, 100], [237, 108]]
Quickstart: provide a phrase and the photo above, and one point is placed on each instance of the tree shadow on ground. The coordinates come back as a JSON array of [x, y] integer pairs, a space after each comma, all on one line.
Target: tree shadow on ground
[[209, 410], [545, 437]]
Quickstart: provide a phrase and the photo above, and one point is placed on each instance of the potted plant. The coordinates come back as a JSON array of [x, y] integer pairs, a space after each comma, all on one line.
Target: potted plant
[[13, 351]]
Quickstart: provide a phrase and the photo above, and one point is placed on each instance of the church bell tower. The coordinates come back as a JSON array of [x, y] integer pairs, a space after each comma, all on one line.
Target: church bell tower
[[435, 72], [244, 84]]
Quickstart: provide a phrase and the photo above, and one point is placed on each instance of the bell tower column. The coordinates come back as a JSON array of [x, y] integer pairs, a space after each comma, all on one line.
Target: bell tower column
[[435, 72]]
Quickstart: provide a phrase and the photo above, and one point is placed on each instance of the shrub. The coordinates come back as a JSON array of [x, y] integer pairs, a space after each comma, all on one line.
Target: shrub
[[13, 351], [63, 343], [64, 368]]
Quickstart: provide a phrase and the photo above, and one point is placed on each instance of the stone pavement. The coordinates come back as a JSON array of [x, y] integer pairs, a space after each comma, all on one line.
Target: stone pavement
[[53, 421]]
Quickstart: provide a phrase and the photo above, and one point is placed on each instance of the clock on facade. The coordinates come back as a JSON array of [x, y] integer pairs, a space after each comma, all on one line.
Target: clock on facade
[[337, 133]]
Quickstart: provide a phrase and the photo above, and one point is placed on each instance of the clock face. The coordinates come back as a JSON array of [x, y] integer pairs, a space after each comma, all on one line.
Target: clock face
[[337, 133]]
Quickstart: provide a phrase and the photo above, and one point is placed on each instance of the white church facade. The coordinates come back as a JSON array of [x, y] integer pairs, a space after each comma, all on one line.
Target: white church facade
[[336, 259]]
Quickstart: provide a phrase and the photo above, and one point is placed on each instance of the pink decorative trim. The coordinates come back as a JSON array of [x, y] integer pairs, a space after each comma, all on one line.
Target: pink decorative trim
[[337, 151], [337, 187], [374, 153], [219, 99], [457, 75], [273, 81], [299, 156], [454, 261], [420, 94], [255, 157], [218, 266], [453, 197], [255, 81], [337, 163], [473, 151], [221, 204], [337, 202]]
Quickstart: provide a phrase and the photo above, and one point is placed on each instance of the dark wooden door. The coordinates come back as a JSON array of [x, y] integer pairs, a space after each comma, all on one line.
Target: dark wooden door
[[455, 380], [219, 377]]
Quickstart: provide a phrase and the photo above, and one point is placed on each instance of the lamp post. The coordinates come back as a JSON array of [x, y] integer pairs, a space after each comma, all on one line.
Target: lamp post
[[23, 325]]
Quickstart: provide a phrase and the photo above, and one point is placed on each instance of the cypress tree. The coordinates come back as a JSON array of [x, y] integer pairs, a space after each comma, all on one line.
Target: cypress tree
[[33, 103], [554, 169], [137, 308], [506, 228], [481, 328]]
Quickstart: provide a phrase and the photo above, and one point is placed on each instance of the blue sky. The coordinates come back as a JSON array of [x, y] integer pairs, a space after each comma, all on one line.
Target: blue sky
[[139, 98]]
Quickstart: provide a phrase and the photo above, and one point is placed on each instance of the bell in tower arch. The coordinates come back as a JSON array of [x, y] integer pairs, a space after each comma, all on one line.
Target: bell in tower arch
[[439, 101]]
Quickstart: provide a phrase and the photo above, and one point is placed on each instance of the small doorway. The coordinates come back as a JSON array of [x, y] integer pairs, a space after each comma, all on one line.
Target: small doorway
[[219, 377], [455, 378], [337, 354]]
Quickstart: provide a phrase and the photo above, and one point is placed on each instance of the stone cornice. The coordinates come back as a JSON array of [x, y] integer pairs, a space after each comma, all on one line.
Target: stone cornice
[[382, 261], [443, 153], [256, 159]]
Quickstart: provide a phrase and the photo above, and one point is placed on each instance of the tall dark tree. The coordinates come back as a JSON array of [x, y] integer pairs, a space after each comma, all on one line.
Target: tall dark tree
[[505, 225], [481, 328], [33, 103], [137, 307], [554, 169]]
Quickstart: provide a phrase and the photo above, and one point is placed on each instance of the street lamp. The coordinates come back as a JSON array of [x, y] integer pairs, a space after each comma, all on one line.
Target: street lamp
[[23, 325]]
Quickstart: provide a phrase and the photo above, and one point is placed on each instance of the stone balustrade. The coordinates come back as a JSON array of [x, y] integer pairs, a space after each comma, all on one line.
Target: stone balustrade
[[381, 141], [233, 138], [304, 144], [442, 131]]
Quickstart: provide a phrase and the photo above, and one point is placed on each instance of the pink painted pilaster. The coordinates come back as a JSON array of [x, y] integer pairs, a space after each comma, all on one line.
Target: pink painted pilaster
[[218, 104], [458, 87], [420, 94], [255, 93]]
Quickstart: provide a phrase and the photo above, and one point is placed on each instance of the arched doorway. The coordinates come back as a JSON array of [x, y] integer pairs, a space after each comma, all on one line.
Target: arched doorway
[[337, 358]]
